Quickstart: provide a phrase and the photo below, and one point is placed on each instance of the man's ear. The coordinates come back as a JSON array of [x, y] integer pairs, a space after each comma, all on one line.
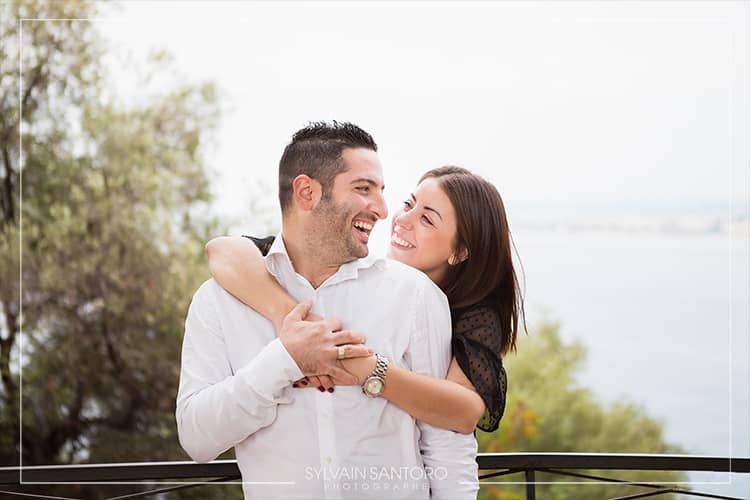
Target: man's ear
[[306, 192], [458, 257]]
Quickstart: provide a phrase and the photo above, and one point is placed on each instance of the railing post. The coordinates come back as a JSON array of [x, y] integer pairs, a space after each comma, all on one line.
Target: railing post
[[530, 486]]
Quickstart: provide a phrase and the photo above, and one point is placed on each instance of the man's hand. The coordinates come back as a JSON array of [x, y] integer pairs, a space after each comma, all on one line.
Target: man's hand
[[314, 344]]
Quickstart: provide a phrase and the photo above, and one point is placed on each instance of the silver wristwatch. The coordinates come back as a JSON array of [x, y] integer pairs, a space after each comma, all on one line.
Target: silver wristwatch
[[374, 385]]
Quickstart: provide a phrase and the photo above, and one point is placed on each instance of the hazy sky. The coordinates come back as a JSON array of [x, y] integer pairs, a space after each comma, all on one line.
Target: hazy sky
[[553, 101]]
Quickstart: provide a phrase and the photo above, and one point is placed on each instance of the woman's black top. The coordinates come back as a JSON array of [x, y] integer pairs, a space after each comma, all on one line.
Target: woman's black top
[[477, 338]]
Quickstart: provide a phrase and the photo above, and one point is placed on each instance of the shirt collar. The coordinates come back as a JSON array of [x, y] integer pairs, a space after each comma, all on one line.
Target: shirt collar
[[278, 256]]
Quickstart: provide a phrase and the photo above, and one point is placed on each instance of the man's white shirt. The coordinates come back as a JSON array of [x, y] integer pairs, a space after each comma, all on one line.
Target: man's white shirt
[[235, 391]]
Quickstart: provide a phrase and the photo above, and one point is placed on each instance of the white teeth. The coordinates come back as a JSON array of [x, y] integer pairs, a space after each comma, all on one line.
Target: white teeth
[[401, 242], [363, 225]]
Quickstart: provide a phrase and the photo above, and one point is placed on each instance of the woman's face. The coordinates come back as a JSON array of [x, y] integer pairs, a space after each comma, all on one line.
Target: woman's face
[[424, 229]]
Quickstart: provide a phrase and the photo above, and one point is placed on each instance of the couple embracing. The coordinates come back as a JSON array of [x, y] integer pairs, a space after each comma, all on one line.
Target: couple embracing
[[335, 374]]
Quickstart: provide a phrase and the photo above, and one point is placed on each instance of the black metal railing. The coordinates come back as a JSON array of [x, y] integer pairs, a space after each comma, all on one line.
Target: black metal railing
[[499, 464]]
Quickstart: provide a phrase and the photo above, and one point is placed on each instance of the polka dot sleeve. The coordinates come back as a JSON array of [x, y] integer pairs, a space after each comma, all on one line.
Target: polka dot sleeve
[[477, 338]]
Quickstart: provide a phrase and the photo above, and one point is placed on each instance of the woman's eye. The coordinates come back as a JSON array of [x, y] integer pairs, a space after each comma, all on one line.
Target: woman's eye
[[364, 189], [407, 204], [428, 221]]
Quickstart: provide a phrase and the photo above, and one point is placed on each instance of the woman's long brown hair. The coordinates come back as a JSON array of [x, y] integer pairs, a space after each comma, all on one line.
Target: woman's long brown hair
[[487, 275]]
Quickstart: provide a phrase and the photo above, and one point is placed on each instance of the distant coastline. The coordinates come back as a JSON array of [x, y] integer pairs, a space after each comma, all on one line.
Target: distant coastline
[[631, 218]]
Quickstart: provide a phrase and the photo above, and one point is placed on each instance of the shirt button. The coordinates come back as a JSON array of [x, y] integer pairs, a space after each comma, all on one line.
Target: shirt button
[[328, 460]]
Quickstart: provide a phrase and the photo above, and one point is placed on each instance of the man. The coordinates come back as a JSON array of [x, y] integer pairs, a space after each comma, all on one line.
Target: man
[[236, 380]]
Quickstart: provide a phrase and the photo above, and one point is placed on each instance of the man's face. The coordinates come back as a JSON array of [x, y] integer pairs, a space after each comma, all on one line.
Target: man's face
[[343, 221]]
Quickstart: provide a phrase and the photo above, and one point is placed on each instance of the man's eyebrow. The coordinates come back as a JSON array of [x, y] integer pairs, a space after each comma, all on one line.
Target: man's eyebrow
[[369, 181], [414, 199]]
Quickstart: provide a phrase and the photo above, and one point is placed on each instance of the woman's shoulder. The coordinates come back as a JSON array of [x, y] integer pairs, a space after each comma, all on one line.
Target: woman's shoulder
[[479, 322], [481, 313]]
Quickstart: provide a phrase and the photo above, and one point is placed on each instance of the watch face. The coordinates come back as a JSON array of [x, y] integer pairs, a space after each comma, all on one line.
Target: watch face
[[374, 386]]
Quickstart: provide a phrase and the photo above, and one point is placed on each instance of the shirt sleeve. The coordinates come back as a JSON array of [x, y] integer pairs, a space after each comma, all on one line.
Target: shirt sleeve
[[449, 457], [477, 342], [216, 407]]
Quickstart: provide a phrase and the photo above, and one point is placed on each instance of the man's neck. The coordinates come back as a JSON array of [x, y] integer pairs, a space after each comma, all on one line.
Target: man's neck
[[306, 261]]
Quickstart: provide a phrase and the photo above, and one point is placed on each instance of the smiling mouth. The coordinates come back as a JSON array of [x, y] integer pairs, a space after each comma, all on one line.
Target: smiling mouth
[[363, 229], [400, 243]]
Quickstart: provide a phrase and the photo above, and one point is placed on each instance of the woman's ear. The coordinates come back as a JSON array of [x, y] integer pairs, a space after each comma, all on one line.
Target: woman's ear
[[306, 192], [458, 257]]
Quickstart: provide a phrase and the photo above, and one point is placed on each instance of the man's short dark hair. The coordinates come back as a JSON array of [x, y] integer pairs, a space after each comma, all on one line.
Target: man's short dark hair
[[315, 151]]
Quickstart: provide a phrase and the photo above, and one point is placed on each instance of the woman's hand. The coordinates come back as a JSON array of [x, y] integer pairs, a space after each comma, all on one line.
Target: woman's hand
[[320, 382], [360, 367]]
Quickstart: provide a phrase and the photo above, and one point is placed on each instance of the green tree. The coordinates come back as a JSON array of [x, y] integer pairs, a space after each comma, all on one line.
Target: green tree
[[547, 411], [114, 217]]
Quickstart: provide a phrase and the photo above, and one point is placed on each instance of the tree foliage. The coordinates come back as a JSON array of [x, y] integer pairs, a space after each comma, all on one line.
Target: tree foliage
[[548, 411], [109, 223]]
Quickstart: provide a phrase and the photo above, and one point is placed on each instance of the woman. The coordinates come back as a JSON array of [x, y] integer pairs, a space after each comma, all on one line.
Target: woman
[[454, 229]]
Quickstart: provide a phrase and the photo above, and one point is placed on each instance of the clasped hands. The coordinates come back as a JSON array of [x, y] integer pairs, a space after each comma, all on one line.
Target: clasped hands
[[313, 342]]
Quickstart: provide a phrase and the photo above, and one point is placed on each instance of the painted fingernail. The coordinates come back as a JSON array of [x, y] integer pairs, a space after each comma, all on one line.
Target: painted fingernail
[[321, 389], [330, 389], [303, 382]]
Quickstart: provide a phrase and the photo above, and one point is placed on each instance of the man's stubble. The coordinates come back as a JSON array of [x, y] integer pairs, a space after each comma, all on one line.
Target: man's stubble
[[329, 237]]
